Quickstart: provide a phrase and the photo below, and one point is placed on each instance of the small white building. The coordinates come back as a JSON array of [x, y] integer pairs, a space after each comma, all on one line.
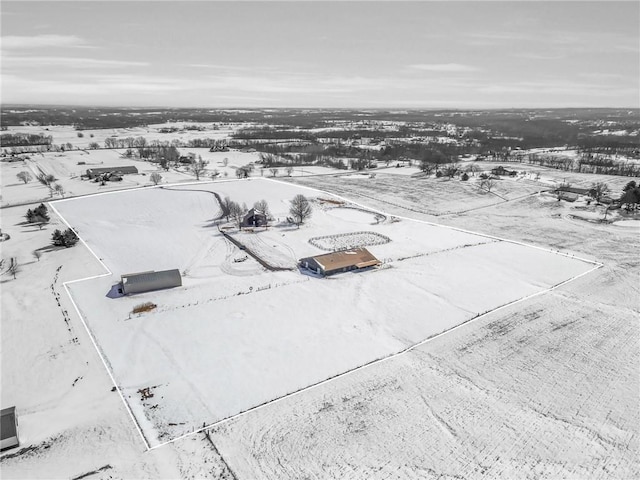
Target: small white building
[[9, 429]]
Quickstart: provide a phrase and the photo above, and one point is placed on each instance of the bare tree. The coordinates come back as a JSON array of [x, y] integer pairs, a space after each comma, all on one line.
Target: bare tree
[[488, 184], [37, 254], [289, 170], [225, 161], [24, 177], [198, 167], [274, 171], [215, 174], [427, 167], [46, 179], [156, 178], [262, 206], [237, 213], [300, 209], [13, 267], [598, 190], [58, 189], [451, 169], [472, 169], [226, 207]]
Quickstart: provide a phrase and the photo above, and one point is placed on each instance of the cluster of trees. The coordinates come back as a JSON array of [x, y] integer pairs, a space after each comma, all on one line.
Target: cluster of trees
[[67, 238], [38, 216], [300, 210], [269, 132], [610, 144], [37, 149], [24, 139], [589, 162], [586, 162], [630, 196], [49, 181], [128, 142], [236, 212]]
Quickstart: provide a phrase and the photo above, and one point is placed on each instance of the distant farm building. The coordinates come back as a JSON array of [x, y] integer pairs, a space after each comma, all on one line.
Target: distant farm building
[[501, 171], [9, 429], [149, 281], [190, 157], [254, 218], [96, 172], [576, 190], [342, 261]]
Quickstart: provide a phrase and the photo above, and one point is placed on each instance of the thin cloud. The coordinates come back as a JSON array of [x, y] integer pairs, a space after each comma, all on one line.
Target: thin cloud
[[68, 62], [559, 87], [16, 42], [485, 39], [538, 56], [443, 67]]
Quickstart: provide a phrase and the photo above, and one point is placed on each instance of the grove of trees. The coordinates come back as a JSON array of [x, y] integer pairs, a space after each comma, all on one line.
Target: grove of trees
[[66, 239], [38, 216]]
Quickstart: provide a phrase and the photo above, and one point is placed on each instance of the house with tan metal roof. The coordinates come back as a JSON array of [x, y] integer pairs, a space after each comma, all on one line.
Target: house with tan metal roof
[[342, 261]]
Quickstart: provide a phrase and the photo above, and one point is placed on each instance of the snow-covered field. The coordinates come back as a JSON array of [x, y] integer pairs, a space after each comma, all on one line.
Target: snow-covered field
[[225, 343], [544, 388], [67, 167], [63, 134]]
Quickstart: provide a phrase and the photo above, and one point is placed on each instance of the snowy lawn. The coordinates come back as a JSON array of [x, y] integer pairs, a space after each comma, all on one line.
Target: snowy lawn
[[235, 336]]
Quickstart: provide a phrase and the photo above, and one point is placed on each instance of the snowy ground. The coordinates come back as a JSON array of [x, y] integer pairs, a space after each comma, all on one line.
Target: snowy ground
[[63, 134], [546, 388], [67, 167], [207, 354]]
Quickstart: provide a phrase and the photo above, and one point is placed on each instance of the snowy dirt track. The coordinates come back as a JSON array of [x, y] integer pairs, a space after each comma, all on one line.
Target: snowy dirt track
[[223, 344]]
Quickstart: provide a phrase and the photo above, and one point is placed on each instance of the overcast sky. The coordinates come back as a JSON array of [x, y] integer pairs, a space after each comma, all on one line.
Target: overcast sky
[[322, 54]]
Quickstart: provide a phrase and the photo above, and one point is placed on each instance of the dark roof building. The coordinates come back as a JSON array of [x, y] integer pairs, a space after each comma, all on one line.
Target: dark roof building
[[254, 218], [9, 429], [149, 281], [94, 172], [342, 261]]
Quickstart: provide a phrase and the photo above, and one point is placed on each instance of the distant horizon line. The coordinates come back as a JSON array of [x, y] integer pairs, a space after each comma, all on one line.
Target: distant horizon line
[[164, 107]]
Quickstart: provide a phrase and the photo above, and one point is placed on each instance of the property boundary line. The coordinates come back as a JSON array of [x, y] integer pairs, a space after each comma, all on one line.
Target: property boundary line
[[597, 265], [86, 327]]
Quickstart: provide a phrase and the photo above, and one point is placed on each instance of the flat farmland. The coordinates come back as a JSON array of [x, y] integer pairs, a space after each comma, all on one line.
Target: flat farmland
[[427, 196], [236, 336], [546, 388]]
